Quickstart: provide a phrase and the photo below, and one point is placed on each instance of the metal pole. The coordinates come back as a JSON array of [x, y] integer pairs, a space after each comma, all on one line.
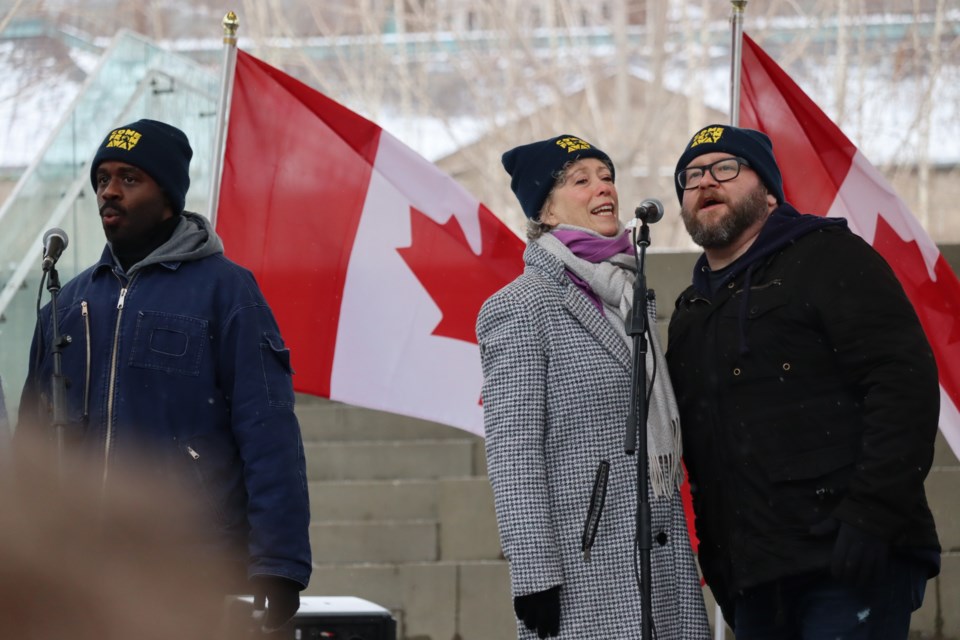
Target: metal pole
[[736, 48], [230, 26]]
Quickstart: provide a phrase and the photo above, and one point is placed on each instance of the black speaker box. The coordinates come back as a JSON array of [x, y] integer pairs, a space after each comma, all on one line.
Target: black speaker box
[[342, 618]]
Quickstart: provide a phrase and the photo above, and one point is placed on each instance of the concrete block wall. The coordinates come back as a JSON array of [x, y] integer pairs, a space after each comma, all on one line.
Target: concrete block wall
[[939, 617], [402, 515]]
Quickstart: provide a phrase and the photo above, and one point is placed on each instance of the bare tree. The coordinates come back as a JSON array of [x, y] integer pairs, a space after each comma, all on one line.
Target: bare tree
[[630, 75]]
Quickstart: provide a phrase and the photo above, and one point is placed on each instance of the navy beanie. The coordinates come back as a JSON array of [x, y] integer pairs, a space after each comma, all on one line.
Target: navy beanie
[[751, 145], [533, 168], [159, 149]]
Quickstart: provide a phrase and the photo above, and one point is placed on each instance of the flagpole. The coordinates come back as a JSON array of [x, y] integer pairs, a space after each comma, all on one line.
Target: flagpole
[[736, 49], [230, 26], [736, 52]]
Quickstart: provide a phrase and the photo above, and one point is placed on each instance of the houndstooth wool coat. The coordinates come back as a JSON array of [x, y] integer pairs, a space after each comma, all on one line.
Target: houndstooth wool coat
[[555, 397]]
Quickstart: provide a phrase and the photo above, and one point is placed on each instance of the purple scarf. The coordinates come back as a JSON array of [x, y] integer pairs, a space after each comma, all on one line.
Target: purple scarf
[[592, 248]]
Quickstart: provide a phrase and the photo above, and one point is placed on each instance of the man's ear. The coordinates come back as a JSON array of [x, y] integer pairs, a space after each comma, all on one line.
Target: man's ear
[[771, 201], [168, 205]]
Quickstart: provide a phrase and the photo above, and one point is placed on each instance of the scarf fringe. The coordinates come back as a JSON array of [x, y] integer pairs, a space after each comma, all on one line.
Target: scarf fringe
[[666, 472]]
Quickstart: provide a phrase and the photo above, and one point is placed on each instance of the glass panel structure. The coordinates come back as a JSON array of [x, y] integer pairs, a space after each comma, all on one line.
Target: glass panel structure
[[134, 79]]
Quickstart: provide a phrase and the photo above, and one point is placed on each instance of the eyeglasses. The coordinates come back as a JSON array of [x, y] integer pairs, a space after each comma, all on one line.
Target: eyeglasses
[[721, 170]]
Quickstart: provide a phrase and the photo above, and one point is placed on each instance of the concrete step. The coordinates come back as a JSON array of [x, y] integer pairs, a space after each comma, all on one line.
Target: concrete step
[[943, 455], [468, 522], [941, 487], [402, 515], [465, 600], [392, 541], [461, 510], [939, 617], [324, 420], [370, 500], [392, 459]]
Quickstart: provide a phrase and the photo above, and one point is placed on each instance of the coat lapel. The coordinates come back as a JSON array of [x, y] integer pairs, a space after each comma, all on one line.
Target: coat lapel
[[576, 302], [599, 327]]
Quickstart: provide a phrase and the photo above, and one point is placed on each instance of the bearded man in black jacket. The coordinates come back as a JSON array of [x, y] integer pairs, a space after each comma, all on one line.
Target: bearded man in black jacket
[[809, 400]]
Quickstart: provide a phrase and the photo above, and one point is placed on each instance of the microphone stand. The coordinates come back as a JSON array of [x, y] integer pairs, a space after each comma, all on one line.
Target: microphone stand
[[636, 432], [58, 381]]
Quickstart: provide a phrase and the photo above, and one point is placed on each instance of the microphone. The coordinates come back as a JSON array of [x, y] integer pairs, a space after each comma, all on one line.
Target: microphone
[[650, 211], [54, 242]]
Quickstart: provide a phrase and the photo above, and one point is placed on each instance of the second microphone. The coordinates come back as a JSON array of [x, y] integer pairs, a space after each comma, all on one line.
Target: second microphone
[[650, 211]]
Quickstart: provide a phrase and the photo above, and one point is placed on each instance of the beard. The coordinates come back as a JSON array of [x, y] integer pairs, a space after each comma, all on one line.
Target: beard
[[743, 214]]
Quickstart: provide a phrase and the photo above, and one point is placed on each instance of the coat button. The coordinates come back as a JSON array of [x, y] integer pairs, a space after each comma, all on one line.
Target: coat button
[[786, 366], [662, 538], [736, 371], [731, 285]]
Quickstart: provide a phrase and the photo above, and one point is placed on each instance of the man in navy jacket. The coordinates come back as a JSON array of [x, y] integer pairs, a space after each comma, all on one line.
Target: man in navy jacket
[[177, 364]]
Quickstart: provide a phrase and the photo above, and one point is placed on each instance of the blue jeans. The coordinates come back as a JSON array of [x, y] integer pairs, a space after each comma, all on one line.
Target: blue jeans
[[816, 606]]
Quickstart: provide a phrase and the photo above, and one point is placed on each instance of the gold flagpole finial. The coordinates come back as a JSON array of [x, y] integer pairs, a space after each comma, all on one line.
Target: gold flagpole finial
[[230, 25], [739, 5]]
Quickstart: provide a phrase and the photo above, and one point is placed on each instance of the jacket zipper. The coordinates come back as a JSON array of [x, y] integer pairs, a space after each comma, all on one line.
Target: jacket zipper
[[85, 312], [111, 389]]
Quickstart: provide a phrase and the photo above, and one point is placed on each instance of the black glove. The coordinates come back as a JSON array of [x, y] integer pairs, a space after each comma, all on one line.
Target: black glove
[[279, 596], [540, 611], [859, 558]]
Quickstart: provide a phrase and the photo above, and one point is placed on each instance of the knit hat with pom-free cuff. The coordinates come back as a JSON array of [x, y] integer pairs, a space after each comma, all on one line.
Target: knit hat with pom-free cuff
[[534, 167], [159, 149], [751, 145]]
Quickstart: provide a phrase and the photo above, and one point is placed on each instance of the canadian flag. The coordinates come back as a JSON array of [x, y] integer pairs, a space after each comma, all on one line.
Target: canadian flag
[[374, 262], [823, 172]]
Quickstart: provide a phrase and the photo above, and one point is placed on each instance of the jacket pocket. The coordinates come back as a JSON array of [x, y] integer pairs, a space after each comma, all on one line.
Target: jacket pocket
[[750, 327], [168, 342], [813, 464], [597, 498], [275, 362], [761, 300], [196, 462], [216, 475], [806, 487]]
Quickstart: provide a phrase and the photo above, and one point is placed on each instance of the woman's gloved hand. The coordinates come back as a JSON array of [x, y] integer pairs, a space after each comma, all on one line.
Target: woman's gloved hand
[[540, 611]]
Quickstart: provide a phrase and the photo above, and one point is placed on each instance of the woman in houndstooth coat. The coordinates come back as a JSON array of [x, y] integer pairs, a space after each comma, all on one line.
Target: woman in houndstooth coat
[[557, 377]]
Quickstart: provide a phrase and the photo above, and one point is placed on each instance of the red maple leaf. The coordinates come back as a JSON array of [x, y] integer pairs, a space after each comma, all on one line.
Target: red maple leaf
[[458, 280], [936, 302]]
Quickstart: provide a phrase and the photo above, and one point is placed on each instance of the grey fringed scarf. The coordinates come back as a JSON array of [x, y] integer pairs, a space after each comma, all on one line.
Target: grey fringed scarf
[[612, 281]]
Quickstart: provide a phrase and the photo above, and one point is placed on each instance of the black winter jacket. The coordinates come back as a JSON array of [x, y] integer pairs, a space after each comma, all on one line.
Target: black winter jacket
[[807, 390]]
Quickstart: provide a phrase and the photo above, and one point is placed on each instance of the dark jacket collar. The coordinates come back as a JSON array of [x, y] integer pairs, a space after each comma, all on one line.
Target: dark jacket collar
[[783, 226]]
